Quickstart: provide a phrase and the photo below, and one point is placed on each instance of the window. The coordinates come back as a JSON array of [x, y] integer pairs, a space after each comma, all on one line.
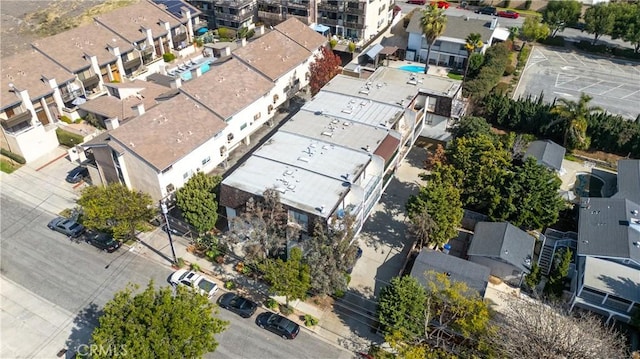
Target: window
[[206, 160], [437, 43], [300, 219], [244, 125], [230, 137], [187, 174], [223, 151], [170, 188], [275, 98], [269, 109], [257, 116]]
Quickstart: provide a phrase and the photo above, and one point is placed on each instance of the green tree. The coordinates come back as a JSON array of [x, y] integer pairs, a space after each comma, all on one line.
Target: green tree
[[157, 323], [534, 30], [453, 306], [440, 199], [532, 279], [325, 66], [561, 13], [197, 201], [433, 22], [421, 225], [558, 277], [289, 278], [116, 209], [471, 126], [599, 20], [514, 32], [535, 200], [627, 23], [401, 308], [475, 63], [481, 163], [573, 117], [329, 256], [473, 43]]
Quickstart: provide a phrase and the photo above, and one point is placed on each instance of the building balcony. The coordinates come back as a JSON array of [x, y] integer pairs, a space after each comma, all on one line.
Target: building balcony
[[234, 4], [265, 15], [328, 21], [241, 17], [132, 64], [16, 121], [68, 96], [354, 10], [327, 7], [354, 25], [303, 19]]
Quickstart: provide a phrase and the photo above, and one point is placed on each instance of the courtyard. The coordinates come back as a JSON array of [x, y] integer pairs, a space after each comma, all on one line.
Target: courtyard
[[614, 84]]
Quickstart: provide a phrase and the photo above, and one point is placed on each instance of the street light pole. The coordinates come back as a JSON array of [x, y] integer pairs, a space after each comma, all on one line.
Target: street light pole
[[165, 210]]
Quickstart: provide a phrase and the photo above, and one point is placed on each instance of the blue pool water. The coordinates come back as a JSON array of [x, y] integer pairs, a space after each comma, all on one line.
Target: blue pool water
[[412, 68], [205, 67], [186, 76]]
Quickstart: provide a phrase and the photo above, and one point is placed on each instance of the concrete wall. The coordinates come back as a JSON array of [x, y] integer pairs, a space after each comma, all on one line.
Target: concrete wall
[[34, 142]]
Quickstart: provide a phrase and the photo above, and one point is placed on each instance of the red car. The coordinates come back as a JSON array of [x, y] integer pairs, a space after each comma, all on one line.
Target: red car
[[508, 13], [440, 4]]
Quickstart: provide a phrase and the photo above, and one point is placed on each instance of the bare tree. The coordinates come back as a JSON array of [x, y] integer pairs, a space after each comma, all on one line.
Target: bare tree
[[529, 329], [262, 227], [421, 226]]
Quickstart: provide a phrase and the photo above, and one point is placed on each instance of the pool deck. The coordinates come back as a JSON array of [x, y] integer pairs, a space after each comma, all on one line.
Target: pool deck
[[572, 168], [433, 69]]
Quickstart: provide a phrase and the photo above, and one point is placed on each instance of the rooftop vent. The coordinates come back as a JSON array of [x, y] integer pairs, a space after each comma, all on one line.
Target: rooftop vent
[[303, 159]]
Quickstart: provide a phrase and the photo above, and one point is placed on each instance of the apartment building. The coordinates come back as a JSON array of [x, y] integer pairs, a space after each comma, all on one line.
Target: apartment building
[[194, 127], [231, 14], [358, 20], [339, 152], [34, 91], [273, 12]]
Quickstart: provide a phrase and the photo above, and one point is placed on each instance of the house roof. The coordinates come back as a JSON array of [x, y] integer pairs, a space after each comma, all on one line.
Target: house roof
[[70, 48], [458, 27], [373, 51], [547, 153], [476, 276], [26, 71], [228, 88], [388, 147], [308, 173], [502, 240], [611, 277], [302, 34], [129, 21], [606, 228], [175, 8], [169, 131], [330, 129], [629, 180], [273, 54], [133, 93]]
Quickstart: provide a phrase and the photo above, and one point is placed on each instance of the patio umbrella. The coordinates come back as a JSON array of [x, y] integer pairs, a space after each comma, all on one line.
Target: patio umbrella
[[78, 101]]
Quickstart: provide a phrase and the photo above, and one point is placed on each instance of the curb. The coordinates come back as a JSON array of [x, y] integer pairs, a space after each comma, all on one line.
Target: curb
[[50, 162]]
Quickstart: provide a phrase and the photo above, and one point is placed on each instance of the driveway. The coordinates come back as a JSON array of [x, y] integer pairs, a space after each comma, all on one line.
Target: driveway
[[614, 84]]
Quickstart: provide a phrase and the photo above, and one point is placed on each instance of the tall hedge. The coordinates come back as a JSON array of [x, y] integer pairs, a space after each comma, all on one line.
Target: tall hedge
[[495, 63], [14, 156]]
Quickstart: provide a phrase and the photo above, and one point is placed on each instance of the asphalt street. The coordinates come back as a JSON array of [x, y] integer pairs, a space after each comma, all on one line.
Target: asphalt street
[[77, 279]]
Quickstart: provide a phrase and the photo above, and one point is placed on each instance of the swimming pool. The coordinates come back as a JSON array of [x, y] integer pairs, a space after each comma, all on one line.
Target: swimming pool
[[588, 185], [412, 68]]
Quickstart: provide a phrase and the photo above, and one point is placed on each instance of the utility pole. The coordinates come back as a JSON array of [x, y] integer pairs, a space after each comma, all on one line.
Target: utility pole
[[165, 210]]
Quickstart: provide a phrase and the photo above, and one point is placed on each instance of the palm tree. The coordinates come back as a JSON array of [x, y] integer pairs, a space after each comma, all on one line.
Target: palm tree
[[474, 42], [433, 23], [574, 115]]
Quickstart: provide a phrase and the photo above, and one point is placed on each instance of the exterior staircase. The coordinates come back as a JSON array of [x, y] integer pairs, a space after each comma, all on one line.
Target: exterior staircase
[[553, 240]]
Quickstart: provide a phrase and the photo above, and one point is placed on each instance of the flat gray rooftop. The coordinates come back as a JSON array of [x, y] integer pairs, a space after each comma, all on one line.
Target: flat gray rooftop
[[353, 108], [327, 128], [611, 277], [307, 173]]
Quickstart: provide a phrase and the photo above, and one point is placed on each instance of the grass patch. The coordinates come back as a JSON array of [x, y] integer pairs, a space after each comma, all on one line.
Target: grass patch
[[521, 11], [455, 76], [571, 157], [7, 166]]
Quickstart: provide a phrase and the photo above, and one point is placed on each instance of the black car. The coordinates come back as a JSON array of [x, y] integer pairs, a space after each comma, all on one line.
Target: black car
[[102, 241], [237, 304], [278, 324], [487, 10], [66, 226], [77, 174]]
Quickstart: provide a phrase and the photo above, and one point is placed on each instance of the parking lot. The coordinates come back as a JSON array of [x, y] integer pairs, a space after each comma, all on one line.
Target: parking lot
[[614, 84]]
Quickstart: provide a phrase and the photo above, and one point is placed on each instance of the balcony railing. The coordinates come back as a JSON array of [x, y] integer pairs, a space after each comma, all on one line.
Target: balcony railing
[[17, 119], [354, 25], [234, 17], [71, 95], [354, 10], [327, 21], [327, 7], [234, 4], [270, 15]]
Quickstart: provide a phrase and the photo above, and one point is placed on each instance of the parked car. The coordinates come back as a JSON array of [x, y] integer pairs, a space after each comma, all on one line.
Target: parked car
[[278, 324], [66, 226], [77, 174], [417, 2], [440, 4], [237, 304], [487, 10], [102, 241], [194, 280], [508, 13]]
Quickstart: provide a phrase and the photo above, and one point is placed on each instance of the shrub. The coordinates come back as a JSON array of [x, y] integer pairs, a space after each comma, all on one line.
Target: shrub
[[527, 4], [168, 57], [68, 139], [180, 262], [496, 60], [271, 303], [310, 320], [66, 119], [524, 55], [195, 267], [339, 293], [509, 70], [333, 43], [251, 33], [6, 167], [502, 88], [507, 3], [352, 46], [229, 285], [553, 41], [14, 156], [77, 120]]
